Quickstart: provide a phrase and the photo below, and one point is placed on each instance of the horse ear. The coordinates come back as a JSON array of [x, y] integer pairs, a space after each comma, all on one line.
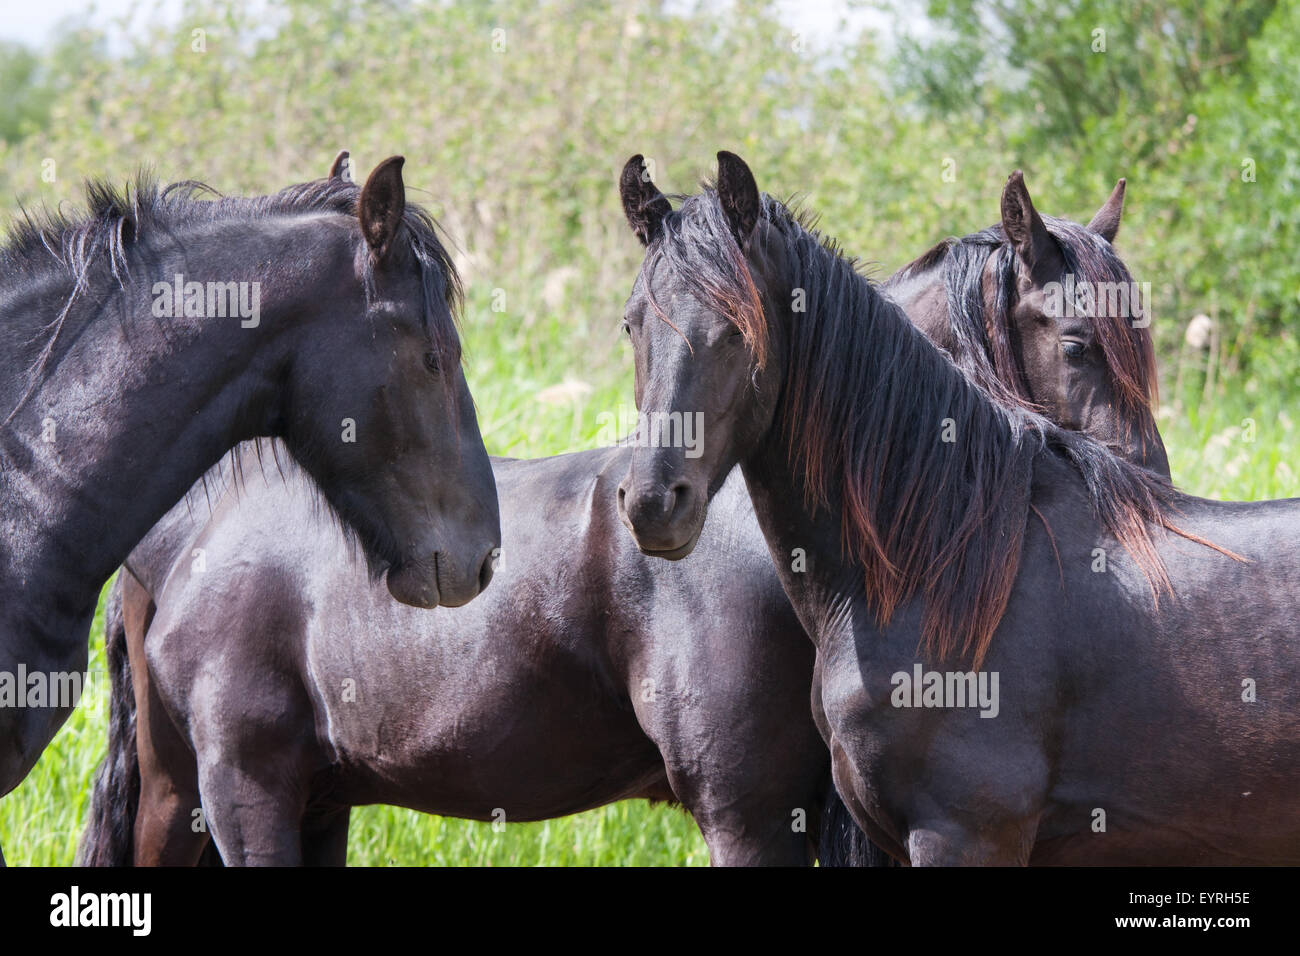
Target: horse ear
[[738, 194], [643, 204], [1106, 222], [341, 168], [1021, 222], [383, 201]]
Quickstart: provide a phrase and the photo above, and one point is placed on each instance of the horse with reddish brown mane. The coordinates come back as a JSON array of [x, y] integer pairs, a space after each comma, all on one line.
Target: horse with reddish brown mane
[[953, 534]]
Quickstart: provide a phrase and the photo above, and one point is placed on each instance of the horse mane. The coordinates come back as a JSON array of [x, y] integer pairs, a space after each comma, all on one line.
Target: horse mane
[[270, 459], [95, 248], [930, 259], [984, 346], [942, 520]]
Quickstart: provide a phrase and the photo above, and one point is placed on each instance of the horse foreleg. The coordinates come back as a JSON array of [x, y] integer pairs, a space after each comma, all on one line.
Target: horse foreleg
[[254, 818], [169, 826], [170, 829], [751, 822], [756, 842], [167, 830]]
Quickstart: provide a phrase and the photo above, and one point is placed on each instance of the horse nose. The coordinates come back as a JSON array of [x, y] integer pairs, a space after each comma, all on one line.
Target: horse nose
[[653, 514]]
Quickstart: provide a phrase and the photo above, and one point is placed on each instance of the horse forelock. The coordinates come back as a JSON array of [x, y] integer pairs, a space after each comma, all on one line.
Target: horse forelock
[[696, 244], [1124, 339]]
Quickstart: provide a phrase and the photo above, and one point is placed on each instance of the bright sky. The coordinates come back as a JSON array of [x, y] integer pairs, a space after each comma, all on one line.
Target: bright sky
[[31, 22]]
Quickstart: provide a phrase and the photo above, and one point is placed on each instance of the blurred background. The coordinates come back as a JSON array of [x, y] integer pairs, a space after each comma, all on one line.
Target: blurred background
[[897, 122]]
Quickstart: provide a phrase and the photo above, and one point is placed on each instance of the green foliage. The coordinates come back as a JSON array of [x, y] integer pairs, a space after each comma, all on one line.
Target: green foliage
[[1195, 102], [33, 81], [26, 102], [1060, 67]]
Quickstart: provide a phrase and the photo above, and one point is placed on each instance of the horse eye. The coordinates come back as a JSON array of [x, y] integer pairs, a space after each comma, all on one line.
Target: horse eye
[[627, 329], [431, 362], [1073, 349]]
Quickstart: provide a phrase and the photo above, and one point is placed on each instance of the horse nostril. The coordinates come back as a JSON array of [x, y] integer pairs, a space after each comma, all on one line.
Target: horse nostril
[[679, 500], [486, 571]]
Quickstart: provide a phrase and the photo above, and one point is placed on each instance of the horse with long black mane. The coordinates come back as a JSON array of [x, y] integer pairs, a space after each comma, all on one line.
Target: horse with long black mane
[[995, 301], [590, 652], [147, 337], [1028, 650], [986, 299]]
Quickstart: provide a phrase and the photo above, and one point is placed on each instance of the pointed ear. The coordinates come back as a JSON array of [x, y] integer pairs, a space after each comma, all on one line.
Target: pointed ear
[[341, 168], [383, 200], [1106, 222], [643, 204], [738, 194], [1021, 222]]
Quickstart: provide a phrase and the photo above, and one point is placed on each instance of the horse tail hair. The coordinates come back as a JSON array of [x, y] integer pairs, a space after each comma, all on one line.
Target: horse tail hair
[[842, 842], [109, 837]]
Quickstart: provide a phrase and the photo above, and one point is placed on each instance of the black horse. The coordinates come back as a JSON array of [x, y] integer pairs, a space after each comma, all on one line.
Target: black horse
[[987, 300], [574, 682], [1028, 650], [144, 339]]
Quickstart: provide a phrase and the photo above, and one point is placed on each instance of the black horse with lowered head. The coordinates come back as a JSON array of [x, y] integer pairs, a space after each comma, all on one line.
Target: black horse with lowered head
[[1028, 650], [994, 301], [146, 338]]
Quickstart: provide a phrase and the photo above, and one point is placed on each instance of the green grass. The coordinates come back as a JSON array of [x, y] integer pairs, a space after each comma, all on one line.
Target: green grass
[[513, 366]]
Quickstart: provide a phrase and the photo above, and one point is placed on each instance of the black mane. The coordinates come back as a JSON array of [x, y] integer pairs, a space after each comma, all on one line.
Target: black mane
[[93, 250], [115, 219]]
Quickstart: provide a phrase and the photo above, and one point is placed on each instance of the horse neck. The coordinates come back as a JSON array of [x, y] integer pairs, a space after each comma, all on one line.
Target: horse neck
[[902, 374], [129, 415], [804, 544]]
